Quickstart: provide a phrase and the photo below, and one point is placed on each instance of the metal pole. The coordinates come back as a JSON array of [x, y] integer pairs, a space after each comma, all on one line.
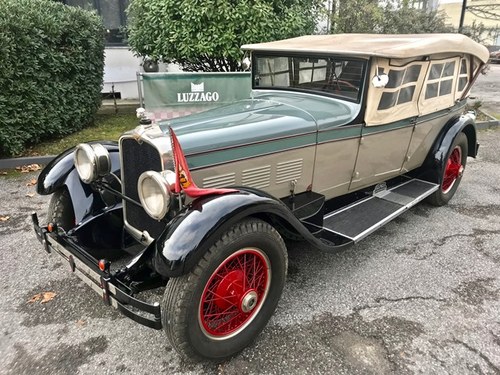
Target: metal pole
[[139, 89], [462, 16]]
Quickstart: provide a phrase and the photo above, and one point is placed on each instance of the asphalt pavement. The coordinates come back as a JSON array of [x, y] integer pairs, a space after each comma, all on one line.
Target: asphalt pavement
[[421, 295]]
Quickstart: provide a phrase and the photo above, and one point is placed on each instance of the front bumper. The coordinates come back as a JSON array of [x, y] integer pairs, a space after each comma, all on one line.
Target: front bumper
[[105, 283]]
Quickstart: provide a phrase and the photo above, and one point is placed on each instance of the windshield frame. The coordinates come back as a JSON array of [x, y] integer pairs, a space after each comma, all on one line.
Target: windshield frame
[[256, 84]]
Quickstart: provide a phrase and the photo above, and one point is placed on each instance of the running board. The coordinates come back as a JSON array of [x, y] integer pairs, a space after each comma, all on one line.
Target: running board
[[359, 219]]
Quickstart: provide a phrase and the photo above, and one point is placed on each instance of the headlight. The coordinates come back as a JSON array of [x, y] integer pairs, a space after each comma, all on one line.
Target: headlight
[[91, 161], [155, 190]]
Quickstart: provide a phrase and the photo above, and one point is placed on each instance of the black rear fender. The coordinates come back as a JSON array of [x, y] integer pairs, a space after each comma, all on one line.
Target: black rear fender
[[436, 158], [61, 172]]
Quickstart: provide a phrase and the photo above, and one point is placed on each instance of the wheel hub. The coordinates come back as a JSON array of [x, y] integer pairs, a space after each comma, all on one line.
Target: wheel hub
[[249, 301]]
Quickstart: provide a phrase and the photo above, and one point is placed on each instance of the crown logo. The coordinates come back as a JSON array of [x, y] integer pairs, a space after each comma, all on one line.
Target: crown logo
[[200, 87]]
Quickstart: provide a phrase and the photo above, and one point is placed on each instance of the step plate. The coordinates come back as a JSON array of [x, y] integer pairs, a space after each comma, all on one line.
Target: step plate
[[358, 220]]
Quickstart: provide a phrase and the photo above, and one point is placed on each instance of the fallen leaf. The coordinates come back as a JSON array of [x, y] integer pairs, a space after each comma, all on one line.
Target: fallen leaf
[[35, 298], [31, 195], [43, 297], [32, 182], [29, 168], [80, 322], [4, 218], [47, 296]]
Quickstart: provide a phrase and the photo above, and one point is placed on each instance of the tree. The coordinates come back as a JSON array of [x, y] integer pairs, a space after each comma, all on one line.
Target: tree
[[207, 35], [369, 16]]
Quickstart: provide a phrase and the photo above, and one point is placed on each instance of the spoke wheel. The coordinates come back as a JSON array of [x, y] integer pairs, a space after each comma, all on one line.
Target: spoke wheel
[[223, 303], [453, 169], [234, 293], [451, 172]]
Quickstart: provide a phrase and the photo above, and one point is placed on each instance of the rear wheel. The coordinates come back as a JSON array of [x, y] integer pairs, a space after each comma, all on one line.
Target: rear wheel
[[451, 175], [220, 307]]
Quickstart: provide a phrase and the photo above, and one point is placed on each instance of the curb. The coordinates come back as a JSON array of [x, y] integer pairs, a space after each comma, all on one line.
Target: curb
[[18, 162], [490, 124]]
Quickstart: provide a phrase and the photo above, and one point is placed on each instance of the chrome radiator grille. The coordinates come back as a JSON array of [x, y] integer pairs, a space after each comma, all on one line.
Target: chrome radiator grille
[[136, 159]]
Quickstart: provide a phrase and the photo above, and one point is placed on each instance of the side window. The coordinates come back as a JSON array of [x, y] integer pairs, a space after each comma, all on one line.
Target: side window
[[401, 86], [463, 76], [440, 79], [273, 72]]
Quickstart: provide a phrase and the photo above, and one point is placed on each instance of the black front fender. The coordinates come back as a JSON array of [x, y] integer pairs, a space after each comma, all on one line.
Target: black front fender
[[190, 234], [61, 172]]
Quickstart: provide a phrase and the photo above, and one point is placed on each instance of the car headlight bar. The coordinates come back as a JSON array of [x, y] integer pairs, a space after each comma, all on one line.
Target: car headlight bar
[[91, 161], [155, 192]]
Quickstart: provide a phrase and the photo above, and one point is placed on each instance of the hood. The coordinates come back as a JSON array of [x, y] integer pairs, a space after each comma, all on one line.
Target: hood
[[268, 115]]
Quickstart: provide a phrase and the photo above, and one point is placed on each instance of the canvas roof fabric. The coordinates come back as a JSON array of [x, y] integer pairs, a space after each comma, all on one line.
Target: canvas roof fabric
[[399, 46]]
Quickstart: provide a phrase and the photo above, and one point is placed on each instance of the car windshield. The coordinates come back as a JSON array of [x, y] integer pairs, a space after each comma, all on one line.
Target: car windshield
[[336, 76]]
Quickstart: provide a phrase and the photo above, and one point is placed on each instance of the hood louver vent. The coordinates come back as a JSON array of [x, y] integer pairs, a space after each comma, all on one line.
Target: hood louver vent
[[288, 171], [258, 178]]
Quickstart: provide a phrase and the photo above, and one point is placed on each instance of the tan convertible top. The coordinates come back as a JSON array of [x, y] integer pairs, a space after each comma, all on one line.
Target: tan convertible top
[[383, 45]]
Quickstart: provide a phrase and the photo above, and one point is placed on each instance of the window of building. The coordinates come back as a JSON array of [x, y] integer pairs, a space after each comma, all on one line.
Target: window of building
[[113, 16]]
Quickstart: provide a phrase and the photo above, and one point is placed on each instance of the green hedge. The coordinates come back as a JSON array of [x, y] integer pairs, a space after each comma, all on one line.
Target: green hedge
[[51, 71]]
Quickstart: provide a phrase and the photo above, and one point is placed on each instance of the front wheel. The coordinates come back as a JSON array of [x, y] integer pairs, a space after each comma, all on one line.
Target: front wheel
[[452, 171], [219, 308]]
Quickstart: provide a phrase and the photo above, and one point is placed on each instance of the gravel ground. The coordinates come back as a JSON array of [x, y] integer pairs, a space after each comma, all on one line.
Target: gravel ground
[[421, 295]]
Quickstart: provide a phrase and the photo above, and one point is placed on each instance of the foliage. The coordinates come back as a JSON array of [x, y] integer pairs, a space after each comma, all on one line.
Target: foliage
[[478, 32], [207, 35], [52, 61], [369, 16], [357, 16]]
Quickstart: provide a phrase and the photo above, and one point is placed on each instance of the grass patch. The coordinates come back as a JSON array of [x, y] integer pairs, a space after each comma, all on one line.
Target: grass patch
[[106, 127]]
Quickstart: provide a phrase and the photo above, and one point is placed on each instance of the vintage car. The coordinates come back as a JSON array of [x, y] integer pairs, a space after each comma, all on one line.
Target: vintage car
[[340, 134], [495, 56]]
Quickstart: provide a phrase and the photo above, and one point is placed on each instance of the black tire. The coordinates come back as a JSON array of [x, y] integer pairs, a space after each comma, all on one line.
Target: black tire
[[187, 308], [61, 210], [449, 179]]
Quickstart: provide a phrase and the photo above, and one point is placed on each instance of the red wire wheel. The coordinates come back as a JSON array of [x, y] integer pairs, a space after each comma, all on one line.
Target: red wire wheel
[[453, 169], [226, 300], [234, 293]]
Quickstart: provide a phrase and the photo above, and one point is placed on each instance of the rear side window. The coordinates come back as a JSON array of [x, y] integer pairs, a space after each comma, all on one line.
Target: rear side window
[[463, 76], [440, 80]]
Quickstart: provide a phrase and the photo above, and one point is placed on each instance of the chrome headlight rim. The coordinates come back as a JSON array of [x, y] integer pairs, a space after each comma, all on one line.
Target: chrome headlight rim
[[91, 161], [163, 182]]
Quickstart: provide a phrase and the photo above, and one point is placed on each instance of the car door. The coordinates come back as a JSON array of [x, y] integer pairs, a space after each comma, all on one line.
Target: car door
[[381, 153], [391, 115]]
